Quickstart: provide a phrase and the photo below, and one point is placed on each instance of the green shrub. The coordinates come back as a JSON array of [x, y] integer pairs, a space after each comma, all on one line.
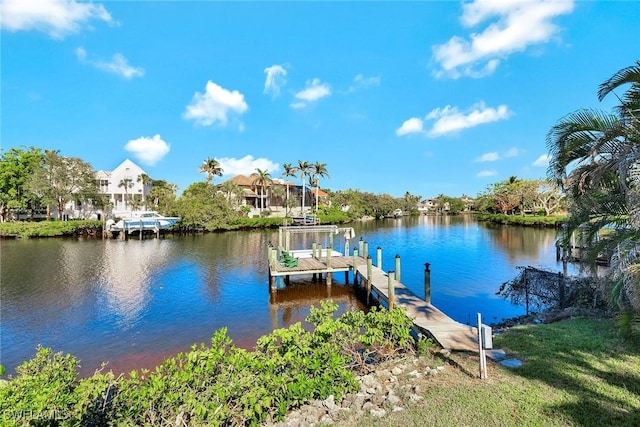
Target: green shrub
[[218, 384], [50, 228]]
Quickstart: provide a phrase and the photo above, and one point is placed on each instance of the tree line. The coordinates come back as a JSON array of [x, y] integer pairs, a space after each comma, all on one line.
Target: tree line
[[32, 179]]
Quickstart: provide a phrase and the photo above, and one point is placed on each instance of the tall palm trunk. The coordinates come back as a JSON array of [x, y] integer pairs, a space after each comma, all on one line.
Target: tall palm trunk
[[286, 203]]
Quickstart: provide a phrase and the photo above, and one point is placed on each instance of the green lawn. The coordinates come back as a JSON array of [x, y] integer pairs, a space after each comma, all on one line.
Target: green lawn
[[575, 373]]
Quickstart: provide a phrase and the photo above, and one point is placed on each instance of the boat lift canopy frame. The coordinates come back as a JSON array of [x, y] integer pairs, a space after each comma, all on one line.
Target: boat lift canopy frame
[[284, 233]]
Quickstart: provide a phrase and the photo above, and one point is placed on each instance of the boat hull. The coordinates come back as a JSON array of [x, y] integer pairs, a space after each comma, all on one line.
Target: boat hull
[[145, 221]]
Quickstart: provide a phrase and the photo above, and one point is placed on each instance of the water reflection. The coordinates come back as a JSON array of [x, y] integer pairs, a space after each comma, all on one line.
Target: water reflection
[[124, 276], [132, 303]]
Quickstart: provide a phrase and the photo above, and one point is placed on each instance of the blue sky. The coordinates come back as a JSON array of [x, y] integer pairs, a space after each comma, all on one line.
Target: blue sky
[[426, 97]]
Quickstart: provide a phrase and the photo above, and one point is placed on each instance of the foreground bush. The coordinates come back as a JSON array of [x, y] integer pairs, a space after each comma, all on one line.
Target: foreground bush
[[218, 384]]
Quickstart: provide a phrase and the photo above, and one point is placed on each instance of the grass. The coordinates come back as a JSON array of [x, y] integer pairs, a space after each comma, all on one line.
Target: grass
[[576, 373]]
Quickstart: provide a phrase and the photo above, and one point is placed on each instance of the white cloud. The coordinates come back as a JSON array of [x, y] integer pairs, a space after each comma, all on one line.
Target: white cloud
[[215, 105], [314, 91], [246, 165], [118, 65], [512, 152], [450, 120], [148, 150], [58, 18], [409, 126], [486, 173], [488, 157], [542, 161], [362, 82], [494, 156], [276, 78], [516, 25]]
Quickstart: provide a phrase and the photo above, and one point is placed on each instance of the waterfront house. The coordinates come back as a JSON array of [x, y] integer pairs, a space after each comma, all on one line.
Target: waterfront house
[[126, 187]]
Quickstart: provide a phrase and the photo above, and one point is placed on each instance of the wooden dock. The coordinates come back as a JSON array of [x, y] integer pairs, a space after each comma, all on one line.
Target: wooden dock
[[427, 319], [308, 264]]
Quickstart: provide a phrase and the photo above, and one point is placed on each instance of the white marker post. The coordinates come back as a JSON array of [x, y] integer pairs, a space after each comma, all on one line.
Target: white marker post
[[483, 356]]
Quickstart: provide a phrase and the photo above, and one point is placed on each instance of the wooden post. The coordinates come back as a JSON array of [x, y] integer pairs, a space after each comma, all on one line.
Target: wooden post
[[392, 288], [355, 266], [365, 249], [287, 240], [329, 272], [279, 237], [361, 248], [561, 296], [140, 228], [272, 283], [427, 283], [369, 277], [397, 268], [379, 253], [314, 246]]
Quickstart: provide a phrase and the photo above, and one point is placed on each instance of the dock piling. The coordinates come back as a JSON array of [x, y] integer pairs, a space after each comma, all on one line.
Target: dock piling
[[354, 267], [427, 283], [369, 277], [379, 260], [398, 267], [392, 288]]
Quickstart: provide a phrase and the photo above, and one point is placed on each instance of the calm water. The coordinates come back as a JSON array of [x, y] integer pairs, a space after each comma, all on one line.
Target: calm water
[[133, 303]]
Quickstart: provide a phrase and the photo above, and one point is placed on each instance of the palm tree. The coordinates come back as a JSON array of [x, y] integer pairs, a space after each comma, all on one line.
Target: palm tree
[[126, 183], [233, 192], [303, 168], [212, 168], [262, 180], [146, 180], [279, 194], [319, 170], [289, 171], [595, 158]]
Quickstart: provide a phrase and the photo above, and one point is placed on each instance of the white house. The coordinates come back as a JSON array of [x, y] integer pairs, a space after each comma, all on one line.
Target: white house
[[124, 186]]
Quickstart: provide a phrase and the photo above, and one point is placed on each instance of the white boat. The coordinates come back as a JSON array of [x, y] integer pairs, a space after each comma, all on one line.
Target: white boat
[[305, 220], [148, 220], [397, 213]]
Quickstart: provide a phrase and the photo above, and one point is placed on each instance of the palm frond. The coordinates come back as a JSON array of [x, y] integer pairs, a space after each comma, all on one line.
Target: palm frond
[[629, 74]]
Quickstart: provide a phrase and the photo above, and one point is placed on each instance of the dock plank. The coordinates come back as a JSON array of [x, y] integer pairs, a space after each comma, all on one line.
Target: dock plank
[[426, 317]]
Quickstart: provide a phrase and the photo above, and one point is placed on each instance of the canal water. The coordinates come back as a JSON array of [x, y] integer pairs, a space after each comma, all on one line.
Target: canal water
[[133, 303]]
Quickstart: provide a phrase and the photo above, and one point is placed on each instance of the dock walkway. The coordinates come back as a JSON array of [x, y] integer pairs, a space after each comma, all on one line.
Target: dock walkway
[[426, 317]]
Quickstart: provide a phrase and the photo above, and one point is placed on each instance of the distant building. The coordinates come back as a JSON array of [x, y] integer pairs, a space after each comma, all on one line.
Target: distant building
[[125, 187], [270, 200]]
